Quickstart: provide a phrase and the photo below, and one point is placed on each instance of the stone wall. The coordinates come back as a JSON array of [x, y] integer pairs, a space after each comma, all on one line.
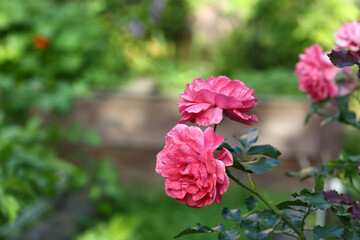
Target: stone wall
[[133, 129]]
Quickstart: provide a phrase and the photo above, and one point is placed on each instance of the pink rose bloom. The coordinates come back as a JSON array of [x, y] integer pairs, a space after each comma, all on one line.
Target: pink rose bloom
[[206, 102], [348, 36], [193, 175], [316, 74]]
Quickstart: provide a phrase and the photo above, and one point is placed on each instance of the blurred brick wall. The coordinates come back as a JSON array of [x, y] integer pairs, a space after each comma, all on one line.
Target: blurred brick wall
[[133, 129]]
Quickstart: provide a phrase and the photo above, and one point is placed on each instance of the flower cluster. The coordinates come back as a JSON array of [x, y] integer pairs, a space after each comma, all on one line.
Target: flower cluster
[[317, 76], [193, 175]]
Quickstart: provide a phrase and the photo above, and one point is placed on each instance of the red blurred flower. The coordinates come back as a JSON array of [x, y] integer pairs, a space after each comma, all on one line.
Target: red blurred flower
[[41, 42]]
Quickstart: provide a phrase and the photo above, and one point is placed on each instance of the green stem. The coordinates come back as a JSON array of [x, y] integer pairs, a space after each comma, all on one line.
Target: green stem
[[276, 211], [303, 220], [215, 126]]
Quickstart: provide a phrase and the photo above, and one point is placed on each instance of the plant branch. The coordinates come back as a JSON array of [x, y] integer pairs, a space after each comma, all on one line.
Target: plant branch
[[267, 203], [215, 126], [303, 220]]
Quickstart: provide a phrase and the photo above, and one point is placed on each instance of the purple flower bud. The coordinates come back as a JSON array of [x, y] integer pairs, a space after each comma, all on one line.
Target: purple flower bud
[[136, 28], [157, 9]]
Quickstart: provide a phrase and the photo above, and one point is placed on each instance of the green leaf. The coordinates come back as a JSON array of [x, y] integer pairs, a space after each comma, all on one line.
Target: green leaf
[[327, 232], [259, 222], [344, 115], [266, 150], [304, 173], [199, 228], [253, 184], [350, 236], [249, 137], [260, 235], [9, 206], [231, 214], [316, 200], [238, 150], [313, 109], [327, 120], [251, 203], [192, 230], [289, 204], [225, 145], [218, 228], [238, 165], [319, 182], [230, 234], [260, 164], [250, 225]]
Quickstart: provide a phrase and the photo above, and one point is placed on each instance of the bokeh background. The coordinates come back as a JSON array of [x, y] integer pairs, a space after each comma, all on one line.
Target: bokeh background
[[88, 90]]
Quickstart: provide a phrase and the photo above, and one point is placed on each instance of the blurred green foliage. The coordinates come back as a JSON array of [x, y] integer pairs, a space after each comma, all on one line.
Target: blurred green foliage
[[120, 227], [153, 215], [278, 31], [54, 51], [50, 53]]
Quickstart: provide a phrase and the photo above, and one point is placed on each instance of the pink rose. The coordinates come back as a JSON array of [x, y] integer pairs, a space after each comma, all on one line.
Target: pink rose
[[348, 36], [316, 74], [205, 102], [193, 175]]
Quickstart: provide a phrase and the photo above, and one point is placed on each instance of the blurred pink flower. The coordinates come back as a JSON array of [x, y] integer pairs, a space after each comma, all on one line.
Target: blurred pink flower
[[205, 102], [348, 36], [193, 175], [349, 84], [346, 88], [316, 74]]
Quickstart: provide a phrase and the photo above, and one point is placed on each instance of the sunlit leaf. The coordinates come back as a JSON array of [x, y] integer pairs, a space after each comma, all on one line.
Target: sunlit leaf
[[260, 164], [249, 137]]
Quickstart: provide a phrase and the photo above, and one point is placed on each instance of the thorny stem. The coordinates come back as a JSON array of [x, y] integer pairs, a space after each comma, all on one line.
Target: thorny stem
[[276, 211]]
